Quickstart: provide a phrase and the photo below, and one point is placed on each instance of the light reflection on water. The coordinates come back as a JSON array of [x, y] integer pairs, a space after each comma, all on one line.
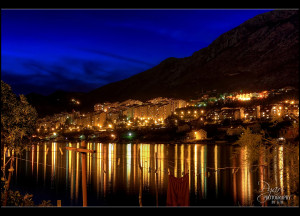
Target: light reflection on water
[[50, 172]]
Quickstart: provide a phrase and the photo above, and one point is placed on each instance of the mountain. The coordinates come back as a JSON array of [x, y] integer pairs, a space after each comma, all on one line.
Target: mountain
[[59, 101], [260, 54]]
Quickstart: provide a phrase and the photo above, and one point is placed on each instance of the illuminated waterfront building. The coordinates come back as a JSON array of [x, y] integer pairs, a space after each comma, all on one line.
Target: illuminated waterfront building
[[99, 119]]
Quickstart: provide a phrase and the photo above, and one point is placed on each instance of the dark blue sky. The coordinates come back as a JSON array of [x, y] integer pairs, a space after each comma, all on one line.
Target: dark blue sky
[[80, 50]]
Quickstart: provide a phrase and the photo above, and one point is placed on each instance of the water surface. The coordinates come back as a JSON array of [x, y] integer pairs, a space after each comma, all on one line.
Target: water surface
[[217, 176]]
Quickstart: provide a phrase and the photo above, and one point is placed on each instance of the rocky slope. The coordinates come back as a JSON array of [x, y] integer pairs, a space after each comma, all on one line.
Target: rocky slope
[[261, 53]]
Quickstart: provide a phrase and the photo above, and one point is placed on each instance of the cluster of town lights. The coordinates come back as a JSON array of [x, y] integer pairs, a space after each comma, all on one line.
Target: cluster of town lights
[[249, 96], [75, 101], [186, 113]]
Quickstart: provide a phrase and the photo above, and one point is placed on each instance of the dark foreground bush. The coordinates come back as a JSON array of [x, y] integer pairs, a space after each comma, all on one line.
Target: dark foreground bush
[[17, 199]]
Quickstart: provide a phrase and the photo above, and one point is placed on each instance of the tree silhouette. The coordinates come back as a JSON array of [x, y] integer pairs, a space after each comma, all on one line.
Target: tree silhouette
[[18, 122]]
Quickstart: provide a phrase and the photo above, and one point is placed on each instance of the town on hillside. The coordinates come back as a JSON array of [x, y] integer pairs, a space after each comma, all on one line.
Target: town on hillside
[[220, 117]]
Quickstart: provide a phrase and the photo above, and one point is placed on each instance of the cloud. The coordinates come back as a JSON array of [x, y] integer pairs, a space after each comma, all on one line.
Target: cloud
[[69, 74], [118, 57]]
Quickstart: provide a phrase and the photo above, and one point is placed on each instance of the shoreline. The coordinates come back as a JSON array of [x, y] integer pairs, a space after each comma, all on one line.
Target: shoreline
[[171, 142]]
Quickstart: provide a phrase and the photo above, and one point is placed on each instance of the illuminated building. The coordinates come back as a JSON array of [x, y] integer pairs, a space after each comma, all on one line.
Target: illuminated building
[[99, 118], [156, 109], [248, 96], [242, 113], [258, 112], [131, 102], [98, 107], [227, 113], [129, 112], [190, 113]]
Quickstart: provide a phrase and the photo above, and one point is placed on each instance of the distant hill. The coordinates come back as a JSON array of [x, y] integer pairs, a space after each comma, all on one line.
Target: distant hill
[[262, 53], [59, 101]]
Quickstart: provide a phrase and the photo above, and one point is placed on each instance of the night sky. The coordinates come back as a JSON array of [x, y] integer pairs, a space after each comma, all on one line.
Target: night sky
[[79, 50]]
